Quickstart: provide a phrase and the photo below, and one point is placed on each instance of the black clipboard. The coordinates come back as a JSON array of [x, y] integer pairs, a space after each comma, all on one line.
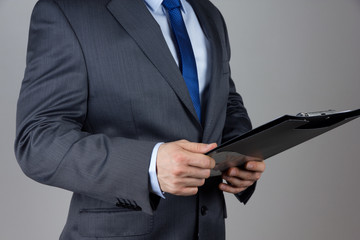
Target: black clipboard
[[277, 136]]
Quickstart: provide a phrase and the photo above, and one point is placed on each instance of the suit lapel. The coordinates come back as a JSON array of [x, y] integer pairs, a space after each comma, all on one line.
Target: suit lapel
[[213, 104], [136, 19]]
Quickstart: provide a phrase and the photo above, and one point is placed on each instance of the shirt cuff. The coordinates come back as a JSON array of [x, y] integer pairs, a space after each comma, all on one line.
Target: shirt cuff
[[154, 183]]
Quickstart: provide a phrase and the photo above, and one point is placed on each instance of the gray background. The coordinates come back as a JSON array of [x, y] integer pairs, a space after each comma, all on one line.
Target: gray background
[[287, 56]]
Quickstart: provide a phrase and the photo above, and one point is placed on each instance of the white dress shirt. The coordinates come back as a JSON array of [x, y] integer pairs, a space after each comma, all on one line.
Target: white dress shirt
[[201, 50]]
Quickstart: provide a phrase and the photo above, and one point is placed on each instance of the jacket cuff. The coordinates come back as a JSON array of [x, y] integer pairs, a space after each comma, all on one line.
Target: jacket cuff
[[245, 195]]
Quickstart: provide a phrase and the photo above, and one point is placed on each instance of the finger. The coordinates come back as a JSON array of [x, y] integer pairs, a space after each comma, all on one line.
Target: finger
[[242, 174], [191, 172], [256, 166], [200, 161], [238, 183], [253, 159], [196, 147], [185, 191], [230, 189], [199, 173], [182, 186], [168, 152], [193, 182], [189, 191], [181, 183]]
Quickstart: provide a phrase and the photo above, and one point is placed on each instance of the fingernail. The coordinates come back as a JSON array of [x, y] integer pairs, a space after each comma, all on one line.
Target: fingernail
[[250, 166], [209, 145]]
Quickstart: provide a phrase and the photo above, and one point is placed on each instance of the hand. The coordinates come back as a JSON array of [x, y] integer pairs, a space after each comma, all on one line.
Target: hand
[[239, 179], [182, 166]]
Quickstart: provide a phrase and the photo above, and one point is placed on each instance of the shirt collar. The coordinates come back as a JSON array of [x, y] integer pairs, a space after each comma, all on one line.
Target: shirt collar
[[156, 4]]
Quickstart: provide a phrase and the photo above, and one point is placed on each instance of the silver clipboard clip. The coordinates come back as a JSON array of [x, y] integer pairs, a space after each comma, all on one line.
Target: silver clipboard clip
[[314, 114]]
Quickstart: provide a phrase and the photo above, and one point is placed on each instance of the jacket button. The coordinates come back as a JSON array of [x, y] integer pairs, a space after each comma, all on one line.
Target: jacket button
[[203, 210]]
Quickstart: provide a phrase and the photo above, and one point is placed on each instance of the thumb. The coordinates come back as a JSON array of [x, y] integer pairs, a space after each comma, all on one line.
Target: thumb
[[197, 147]]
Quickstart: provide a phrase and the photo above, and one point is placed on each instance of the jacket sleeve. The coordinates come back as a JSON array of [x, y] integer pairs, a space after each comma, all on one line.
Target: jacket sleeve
[[51, 146], [237, 120]]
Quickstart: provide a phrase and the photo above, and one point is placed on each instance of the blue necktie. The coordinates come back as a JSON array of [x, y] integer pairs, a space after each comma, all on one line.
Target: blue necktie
[[187, 61]]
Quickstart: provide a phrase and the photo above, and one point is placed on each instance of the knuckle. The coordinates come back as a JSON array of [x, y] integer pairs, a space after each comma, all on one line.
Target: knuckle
[[194, 191], [175, 183], [249, 176], [209, 163], [178, 157], [243, 184], [233, 172], [213, 163], [207, 173], [177, 172], [178, 190]]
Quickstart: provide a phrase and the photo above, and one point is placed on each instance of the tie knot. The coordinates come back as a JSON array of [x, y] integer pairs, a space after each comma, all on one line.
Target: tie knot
[[171, 4]]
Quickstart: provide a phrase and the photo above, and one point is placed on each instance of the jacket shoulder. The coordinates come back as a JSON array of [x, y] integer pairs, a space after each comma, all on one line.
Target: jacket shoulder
[[76, 5]]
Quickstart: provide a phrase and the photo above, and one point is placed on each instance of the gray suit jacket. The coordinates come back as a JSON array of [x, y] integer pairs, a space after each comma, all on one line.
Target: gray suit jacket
[[101, 88]]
